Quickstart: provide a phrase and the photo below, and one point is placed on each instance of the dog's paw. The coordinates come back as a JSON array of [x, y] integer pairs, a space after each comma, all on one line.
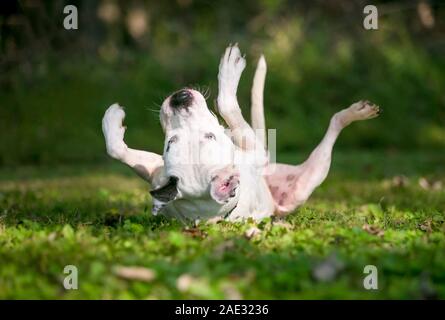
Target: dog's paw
[[114, 131], [362, 110], [230, 68]]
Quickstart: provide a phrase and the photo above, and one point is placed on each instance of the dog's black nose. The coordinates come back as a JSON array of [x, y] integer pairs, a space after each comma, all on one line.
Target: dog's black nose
[[182, 98]]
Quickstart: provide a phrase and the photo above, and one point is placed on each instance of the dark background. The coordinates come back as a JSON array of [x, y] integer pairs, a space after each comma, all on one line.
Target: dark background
[[55, 84]]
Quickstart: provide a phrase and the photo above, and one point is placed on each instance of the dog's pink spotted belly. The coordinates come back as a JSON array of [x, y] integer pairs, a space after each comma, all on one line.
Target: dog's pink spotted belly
[[283, 182]]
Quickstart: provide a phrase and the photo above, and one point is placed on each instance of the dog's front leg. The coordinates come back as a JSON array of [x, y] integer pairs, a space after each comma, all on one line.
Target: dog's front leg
[[230, 68], [144, 163]]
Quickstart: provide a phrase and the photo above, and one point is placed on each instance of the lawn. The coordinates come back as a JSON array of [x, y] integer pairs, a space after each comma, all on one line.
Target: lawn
[[376, 208]]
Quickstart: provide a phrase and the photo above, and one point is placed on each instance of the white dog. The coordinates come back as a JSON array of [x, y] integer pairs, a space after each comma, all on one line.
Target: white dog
[[207, 170]]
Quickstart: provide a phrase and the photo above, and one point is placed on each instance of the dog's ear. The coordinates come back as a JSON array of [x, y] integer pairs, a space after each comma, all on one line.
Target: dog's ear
[[224, 183], [166, 193]]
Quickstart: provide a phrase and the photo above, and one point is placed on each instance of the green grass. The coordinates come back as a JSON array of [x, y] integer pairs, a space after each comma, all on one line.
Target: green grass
[[98, 218]]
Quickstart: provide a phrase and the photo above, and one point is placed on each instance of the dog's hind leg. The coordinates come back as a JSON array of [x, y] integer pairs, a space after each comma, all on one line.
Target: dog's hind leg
[[290, 185], [257, 96], [230, 68], [145, 164]]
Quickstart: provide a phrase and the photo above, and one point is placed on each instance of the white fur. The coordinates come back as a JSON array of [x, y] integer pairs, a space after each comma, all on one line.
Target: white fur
[[195, 159], [257, 108]]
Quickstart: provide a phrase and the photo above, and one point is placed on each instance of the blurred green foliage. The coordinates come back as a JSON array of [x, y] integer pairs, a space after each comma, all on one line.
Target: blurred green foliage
[[320, 59]]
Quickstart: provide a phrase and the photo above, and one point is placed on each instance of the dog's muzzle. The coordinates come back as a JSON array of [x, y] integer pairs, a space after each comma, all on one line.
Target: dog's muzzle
[[181, 99]]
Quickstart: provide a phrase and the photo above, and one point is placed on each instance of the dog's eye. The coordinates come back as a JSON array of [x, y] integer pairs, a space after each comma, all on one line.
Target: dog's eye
[[210, 136], [172, 140]]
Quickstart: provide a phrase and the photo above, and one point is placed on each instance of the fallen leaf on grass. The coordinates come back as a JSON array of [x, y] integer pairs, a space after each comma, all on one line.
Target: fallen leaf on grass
[[283, 224], [184, 281], [374, 230], [198, 287], [231, 292], [252, 232], [437, 185], [328, 269], [426, 226], [195, 232], [399, 181], [430, 185], [135, 273], [52, 236]]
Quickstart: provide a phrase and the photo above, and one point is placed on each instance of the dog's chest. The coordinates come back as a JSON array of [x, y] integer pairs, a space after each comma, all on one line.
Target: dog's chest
[[255, 200]]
